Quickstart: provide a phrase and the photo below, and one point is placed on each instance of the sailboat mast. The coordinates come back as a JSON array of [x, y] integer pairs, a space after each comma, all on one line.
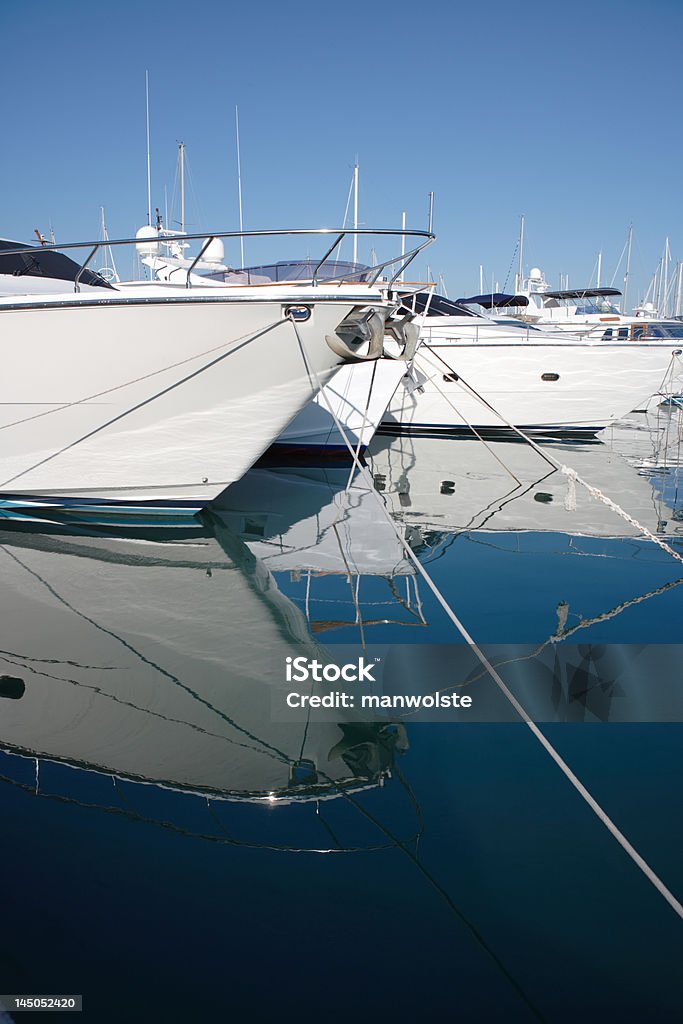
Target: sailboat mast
[[628, 267], [239, 181], [149, 164], [658, 289], [665, 283], [599, 268], [403, 241], [519, 280], [355, 211], [107, 250]]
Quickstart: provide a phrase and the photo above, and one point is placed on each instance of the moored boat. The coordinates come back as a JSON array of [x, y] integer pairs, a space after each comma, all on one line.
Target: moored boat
[[159, 395], [474, 373]]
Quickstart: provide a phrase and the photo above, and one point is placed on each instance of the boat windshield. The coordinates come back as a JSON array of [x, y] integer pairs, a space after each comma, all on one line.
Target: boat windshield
[[584, 305], [436, 305], [293, 270]]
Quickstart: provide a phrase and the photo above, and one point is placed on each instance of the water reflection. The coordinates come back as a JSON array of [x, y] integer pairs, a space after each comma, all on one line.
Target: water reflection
[[467, 484], [157, 655], [153, 659], [138, 670]]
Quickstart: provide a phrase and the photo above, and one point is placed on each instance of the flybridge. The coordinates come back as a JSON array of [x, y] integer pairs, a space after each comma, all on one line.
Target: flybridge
[[496, 300], [581, 293]]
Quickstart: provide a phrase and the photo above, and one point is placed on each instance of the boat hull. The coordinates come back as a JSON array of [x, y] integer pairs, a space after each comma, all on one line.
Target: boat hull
[[355, 399], [551, 388], [151, 401]]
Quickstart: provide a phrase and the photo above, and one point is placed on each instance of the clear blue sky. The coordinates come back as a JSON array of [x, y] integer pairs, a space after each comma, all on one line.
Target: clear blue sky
[[569, 113]]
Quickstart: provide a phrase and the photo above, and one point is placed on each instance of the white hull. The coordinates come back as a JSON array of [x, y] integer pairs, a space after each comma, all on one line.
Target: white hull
[[587, 385], [150, 397], [357, 397]]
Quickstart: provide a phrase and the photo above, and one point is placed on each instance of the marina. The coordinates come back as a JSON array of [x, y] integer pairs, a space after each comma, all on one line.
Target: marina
[[341, 530]]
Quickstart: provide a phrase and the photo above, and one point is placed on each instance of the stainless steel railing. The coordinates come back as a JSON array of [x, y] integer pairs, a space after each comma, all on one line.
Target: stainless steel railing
[[403, 260]]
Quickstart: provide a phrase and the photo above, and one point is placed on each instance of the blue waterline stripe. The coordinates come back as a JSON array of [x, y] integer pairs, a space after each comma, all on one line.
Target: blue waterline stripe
[[438, 429]]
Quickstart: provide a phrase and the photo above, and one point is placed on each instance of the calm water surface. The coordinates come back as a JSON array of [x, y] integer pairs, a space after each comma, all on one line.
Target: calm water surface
[[174, 852]]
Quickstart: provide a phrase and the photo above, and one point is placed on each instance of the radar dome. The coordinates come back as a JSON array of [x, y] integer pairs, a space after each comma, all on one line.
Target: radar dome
[[536, 273], [148, 244], [215, 251]]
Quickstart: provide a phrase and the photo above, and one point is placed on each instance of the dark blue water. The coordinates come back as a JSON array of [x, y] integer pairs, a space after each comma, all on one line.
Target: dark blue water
[[456, 876]]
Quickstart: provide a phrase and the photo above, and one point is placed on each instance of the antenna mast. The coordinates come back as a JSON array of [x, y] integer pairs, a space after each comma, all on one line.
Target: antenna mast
[[149, 165], [181, 154], [239, 180]]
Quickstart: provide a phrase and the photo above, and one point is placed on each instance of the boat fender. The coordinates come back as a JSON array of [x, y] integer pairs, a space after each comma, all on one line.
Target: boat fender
[[12, 687]]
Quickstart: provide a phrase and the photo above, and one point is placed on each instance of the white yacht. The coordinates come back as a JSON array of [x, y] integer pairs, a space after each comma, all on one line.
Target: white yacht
[[347, 410], [592, 312], [159, 394], [471, 372]]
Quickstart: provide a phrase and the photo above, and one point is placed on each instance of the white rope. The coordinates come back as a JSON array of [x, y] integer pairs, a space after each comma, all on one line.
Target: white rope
[[570, 496], [363, 424], [601, 814], [595, 492]]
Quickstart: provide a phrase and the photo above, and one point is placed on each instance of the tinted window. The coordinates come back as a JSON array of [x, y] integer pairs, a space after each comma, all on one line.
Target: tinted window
[[439, 305]]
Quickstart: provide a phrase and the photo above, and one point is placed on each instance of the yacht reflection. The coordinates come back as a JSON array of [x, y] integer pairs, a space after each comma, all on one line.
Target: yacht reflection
[[324, 528], [451, 484], [157, 658]]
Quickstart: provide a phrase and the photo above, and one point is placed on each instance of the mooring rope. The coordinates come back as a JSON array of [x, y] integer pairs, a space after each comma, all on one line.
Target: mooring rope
[[571, 474], [583, 792]]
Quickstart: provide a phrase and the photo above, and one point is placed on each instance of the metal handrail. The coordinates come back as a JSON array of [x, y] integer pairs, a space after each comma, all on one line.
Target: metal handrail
[[165, 238], [77, 278], [327, 255]]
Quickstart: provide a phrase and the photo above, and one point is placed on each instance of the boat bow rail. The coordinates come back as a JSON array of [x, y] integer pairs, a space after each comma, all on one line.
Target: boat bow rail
[[161, 239]]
